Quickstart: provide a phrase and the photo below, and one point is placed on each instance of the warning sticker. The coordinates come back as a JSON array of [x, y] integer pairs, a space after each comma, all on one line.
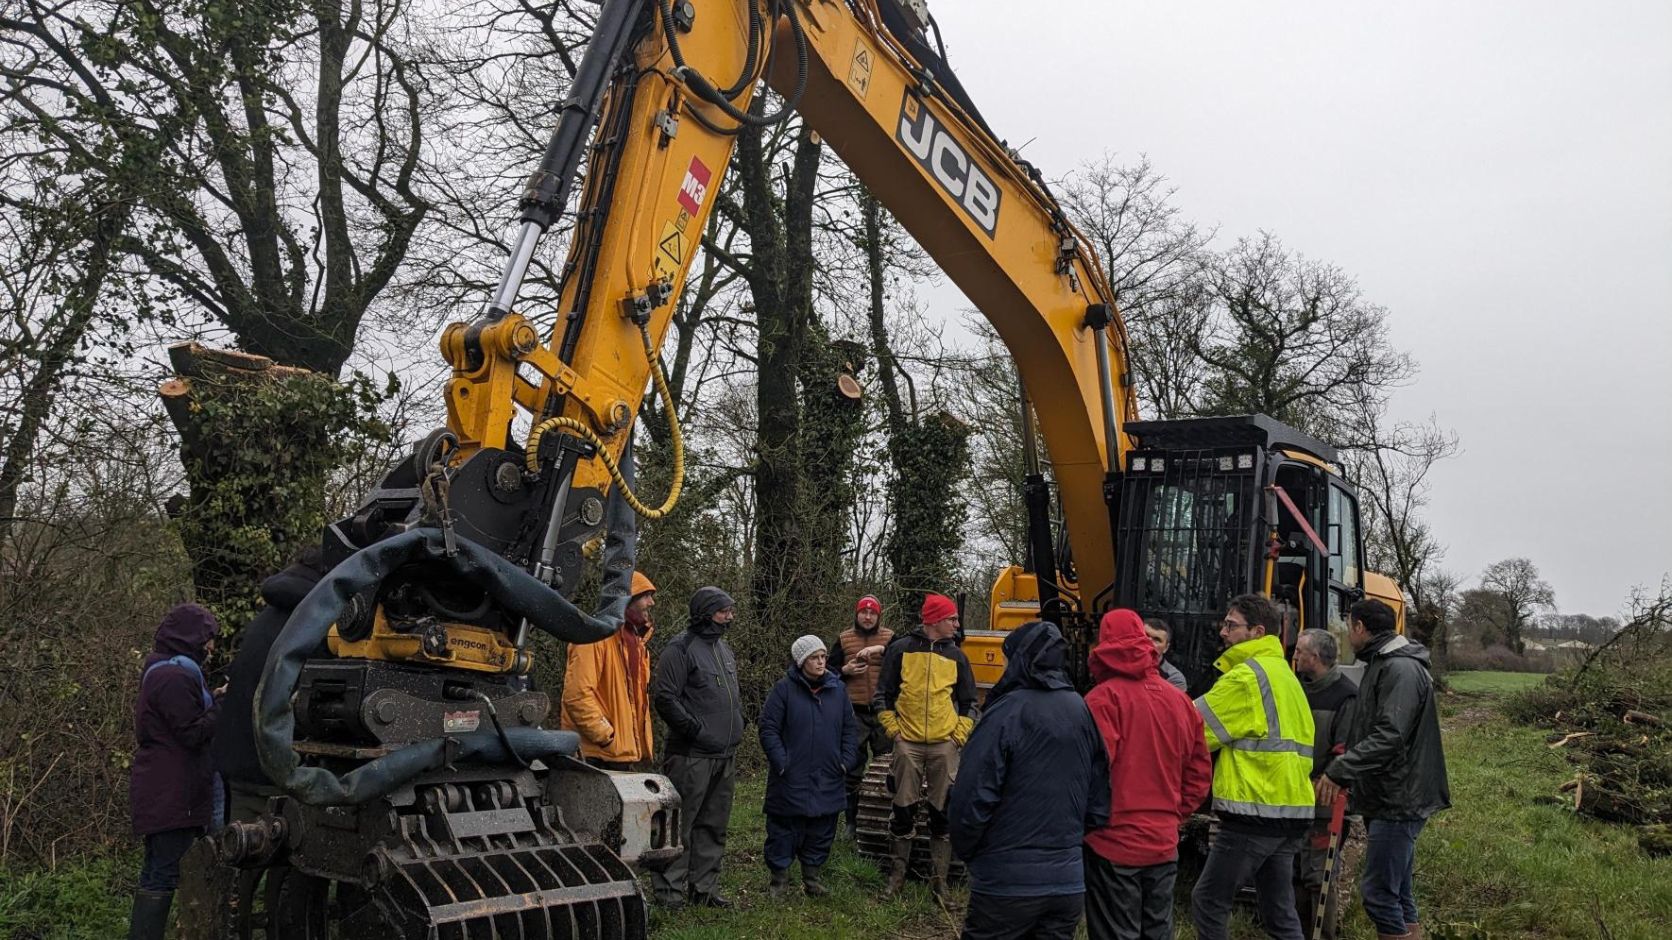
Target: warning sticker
[[670, 250], [457, 722], [695, 188], [859, 72]]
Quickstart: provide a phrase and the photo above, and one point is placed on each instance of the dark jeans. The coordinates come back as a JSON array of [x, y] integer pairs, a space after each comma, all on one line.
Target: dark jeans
[[873, 742], [705, 787], [1128, 903], [1237, 858], [1052, 917], [163, 851], [1389, 859], [805, 837]]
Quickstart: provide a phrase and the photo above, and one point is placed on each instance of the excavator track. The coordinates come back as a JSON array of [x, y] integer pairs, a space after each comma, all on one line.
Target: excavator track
[[876, 807]]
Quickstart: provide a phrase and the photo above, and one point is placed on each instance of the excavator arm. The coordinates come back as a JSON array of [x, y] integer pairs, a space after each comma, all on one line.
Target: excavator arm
[[862, 75]]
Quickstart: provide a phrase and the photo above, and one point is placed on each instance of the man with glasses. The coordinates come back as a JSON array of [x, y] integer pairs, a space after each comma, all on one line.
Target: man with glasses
[[1257, 719]]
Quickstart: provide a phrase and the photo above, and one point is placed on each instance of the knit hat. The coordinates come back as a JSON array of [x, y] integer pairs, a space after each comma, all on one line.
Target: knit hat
[[641, 584], [805, 647], [938, 607], [868, 602]]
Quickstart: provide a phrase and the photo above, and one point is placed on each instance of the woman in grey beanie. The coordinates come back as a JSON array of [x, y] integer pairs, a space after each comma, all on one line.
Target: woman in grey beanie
[[811, 739]]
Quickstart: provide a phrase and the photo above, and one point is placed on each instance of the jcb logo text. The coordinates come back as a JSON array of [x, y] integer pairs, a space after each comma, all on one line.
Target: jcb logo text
[[937, 152]]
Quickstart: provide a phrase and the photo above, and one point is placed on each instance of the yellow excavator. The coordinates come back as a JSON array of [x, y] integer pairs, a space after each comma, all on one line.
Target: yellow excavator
[[423, 795]]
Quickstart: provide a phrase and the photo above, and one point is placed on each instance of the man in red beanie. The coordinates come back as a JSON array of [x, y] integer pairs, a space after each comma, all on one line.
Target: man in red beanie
[[856, 656], [925, 699], [1159, 773]]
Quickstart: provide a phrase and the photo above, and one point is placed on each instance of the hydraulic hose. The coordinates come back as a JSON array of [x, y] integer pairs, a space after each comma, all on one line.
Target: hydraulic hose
[[516, 591], [623, 485], [704, 89]]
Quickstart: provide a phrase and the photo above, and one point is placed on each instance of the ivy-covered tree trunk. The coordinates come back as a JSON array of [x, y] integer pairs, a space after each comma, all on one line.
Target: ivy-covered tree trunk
[[833, 424], [258, 441]]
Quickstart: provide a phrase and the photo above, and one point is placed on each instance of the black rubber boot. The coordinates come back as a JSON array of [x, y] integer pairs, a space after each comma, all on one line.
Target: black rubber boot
[[150, 917], [810, 882], [780, 882]]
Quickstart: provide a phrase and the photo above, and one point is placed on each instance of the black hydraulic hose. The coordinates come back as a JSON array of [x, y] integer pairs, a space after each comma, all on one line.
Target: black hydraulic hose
[[548, 187], [746, 78], [704, 89], [514, 590]]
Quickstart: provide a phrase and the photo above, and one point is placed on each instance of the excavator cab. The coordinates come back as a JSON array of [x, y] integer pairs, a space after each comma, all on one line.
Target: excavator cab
[[1210, 508]]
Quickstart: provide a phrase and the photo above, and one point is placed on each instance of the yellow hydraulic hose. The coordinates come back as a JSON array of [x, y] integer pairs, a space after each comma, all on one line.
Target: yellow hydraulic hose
[[580, 430]]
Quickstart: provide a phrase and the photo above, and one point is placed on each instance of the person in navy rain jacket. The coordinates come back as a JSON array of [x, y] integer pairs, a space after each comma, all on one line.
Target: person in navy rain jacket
[[1033, 779], [811, 740], [171, 783]]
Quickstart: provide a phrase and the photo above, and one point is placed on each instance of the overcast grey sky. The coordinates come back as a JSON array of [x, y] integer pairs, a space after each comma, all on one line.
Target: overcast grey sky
[[1499, 175]]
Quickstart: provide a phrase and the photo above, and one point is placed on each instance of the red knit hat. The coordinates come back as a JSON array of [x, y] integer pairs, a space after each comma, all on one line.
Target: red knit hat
[[870, 603], [938, 607]]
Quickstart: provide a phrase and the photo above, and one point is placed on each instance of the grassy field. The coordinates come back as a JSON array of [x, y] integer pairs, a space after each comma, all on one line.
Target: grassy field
[[1493, 683], [1509, 861]]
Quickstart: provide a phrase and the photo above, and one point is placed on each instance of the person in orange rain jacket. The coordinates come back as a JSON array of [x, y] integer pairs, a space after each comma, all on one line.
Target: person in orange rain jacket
[[606, 689]]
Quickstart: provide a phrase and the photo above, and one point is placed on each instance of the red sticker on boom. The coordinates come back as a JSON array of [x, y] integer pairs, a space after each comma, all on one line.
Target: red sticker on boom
[[695, 188]]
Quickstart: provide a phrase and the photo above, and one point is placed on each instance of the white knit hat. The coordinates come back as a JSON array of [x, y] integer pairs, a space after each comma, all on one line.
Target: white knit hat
[[805, 647]]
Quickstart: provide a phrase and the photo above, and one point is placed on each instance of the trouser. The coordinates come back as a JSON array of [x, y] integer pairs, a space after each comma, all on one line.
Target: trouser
[[705, 798], [163, 850], [1124, 903], [1237, 858], [1310, 863], [919, 773], [1389, 860], [1052, 917], [873, 742], [807, 838]]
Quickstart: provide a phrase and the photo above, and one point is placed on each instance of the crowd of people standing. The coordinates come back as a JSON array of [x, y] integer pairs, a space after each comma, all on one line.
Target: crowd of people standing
[[1063, 807]]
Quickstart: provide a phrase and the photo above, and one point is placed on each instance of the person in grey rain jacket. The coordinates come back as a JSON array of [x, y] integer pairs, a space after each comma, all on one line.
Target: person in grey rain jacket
[[695, 691], [1394, 767]]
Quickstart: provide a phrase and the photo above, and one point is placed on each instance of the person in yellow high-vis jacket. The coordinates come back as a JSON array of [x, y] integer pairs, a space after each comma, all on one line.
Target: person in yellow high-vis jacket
[[1257, 720]]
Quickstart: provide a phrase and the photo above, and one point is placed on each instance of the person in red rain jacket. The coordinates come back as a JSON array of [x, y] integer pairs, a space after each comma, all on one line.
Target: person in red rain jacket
[[1159, 773]]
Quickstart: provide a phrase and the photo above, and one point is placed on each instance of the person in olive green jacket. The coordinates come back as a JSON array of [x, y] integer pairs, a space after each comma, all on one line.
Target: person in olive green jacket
[[1257, 718]]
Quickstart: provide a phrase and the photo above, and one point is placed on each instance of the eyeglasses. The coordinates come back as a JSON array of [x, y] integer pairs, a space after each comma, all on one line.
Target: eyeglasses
[[1229, 624]]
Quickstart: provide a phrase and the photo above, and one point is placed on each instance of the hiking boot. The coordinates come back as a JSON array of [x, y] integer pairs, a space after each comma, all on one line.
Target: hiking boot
[[900, 860], [711, 900], [810, 881], [940, 862], [780, 882]]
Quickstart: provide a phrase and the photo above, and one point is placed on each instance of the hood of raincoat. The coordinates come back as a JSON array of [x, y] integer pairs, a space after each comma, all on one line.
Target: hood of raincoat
[[1123, 649], [705, 603], [1035, 657], [185, 630]]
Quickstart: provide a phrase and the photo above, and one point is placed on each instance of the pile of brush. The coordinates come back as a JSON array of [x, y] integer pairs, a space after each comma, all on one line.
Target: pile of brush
[[1612, 718]]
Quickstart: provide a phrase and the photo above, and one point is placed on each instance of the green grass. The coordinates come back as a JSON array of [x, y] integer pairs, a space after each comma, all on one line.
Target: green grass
[[855, 907], [84, 899], [1493, 682], [1512, 858]]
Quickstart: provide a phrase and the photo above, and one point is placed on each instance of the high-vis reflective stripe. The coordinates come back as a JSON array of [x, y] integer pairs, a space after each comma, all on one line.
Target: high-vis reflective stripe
[[1266, 699], [1212, 721], [1278, 746], [1274, 740], [1245, 808]]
